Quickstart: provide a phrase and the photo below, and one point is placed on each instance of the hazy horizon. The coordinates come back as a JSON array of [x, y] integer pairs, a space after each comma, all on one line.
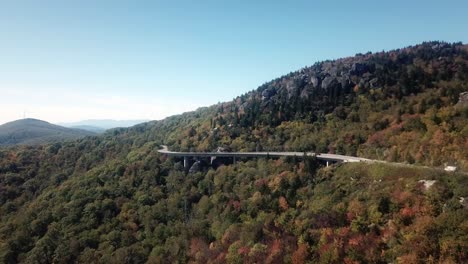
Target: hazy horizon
[[73, 61]]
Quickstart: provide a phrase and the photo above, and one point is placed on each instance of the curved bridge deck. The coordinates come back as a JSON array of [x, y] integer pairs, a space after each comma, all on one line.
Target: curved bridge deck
[[319, 156]]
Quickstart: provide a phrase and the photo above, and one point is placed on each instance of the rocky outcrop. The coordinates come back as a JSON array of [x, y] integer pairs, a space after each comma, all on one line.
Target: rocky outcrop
[[427, 183], [334, 71], [463, 99], [305, 93], [374, 83], [315, 81], [291, 86], [268, 93], [358, 68], [345, 82], [329, 82], [341, 76], [195, 167]]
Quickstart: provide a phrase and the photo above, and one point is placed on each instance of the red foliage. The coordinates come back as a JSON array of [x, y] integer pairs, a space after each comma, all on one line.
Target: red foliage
[[409, 258], [283, 203], [275, 255], [350, 261], [244, 251], [301, 254], [356, 88], [221, 258], [439, 138], [377, 139], [349, 139], [355, 209], [389, 231], [407, 212], [275, 247], [230, 235], [261, 182], [199, 250], [355, 241], [350, 216], [367, 245], [344, 232], [283, 174], [236, 205], [401, 197]]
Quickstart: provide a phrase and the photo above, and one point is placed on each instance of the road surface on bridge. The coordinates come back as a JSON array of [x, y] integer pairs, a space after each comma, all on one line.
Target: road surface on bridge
[[263, 154]]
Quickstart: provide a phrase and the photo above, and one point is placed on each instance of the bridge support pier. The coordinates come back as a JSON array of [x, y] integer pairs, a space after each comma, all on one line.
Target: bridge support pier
[[186, 163], [234, 160], [327, 163]]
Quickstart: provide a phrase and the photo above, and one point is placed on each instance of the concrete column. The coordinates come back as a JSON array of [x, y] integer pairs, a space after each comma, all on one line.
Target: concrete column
[[186, 163], [234, 160], [327, 163]]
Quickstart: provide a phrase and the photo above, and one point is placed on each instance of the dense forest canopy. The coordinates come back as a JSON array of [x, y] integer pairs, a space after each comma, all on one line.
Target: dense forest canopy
[[114, 199]]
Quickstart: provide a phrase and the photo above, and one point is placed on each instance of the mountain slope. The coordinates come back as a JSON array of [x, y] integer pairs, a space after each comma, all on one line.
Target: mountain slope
[[104, 123], [93, 129], [103, 201], [33, 131], [114, 199], [400, 106]]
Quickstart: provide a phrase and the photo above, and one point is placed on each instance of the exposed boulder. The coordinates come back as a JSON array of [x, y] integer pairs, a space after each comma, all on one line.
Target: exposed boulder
[[440, 46], [195, 167], [305, 93], [268, 93], [329, 82], [220, 149], [374, 83], [315, 81], [363, 83], [463, 201], [463, 99], [334, 71], [359, 68], [427, 183], [345, 82], [292, 86]]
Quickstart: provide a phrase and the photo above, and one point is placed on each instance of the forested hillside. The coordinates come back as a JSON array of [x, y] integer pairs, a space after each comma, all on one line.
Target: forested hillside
[[405, 105], [31, 131], [114, 199]]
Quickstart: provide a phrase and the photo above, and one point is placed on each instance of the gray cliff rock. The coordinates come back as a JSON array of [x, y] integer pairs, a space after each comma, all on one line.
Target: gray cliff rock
[[358, 68], [329, 82], [315, 81], [195, 167], [463, 99]]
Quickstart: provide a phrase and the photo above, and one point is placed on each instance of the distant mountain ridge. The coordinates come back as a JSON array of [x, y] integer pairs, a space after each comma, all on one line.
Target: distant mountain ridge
[[31, 131], [94, 129], [95, 125]]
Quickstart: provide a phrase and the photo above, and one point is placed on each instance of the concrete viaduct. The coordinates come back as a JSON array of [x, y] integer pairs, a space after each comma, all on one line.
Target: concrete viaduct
[[327, 158]]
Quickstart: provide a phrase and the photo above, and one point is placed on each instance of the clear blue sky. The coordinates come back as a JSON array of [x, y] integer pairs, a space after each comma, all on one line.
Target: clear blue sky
[[73, 60]]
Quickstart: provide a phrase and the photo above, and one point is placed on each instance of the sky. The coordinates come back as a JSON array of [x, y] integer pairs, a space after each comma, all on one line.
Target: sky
[[64, 61]]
